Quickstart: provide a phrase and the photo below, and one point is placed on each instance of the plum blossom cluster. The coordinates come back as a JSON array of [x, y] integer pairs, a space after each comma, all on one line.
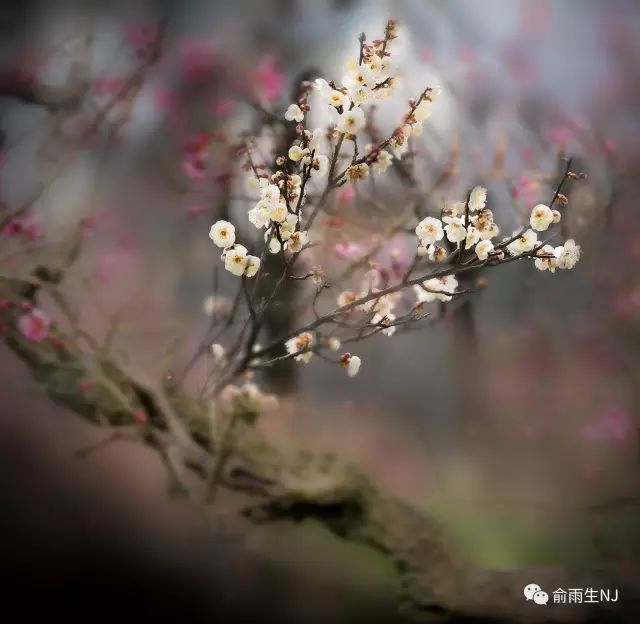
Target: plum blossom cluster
[[286, 198], [278, 210], [470, 227], [236, 257]]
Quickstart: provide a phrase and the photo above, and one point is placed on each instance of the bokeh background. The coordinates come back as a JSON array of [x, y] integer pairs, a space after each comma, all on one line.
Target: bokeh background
[[512, 417]]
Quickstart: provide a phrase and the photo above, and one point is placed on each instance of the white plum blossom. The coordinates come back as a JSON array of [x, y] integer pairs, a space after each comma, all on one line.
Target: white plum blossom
[[386, 321], [429, 230], [400, 142], [436, 289], [483, 249], [274, 245], [477, 198], [294, 113], [253, 264], [217, 351], [323, 87], [456, 209], [525, 243], [455, 229], [301, 345], [541, 218], [483, 222], [260, 214], [361, 95], [270, 193], [568, 255], [382, 162], [357, 172], [436, 254], [223, 233], [351, 363], [548, 260], [288, 227], [360, 76], [351, 121], [320, 165], [296, 242], [296, 153], [334, 343], [314, 140], [473, 236], [346, 297], [422, 111], [337, 98], [278, 212], [235, 260], [416, 129]]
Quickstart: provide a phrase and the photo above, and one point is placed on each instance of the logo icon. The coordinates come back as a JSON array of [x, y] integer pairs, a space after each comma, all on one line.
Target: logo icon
[[534, 592], [530, 590], [541, 597]]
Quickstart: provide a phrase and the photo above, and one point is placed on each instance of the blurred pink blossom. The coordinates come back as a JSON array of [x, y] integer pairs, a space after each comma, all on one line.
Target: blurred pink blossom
[[425, 54], [198, 58], [609, 147], [270, 79], [347, 193], [112, 263], [141, 36], [34, 325], [196, 155], [613, 425], [466, 55], [165, 99], [108, 85], [560, 136], [19, 228], [526, 189], [141, 417], [348, 251], [196, 209]]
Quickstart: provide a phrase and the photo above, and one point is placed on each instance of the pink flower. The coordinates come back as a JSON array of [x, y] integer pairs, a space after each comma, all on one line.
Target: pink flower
[[614, 425], [26, 229], [196, 209], [195, 155], [198, 58], [347, 193], [108, 85], [34, 325], [270, 80], [222, 107], [12, 228], [347, 251], [112, 264], [526, 189], [425, 54], [466, 55], [141, 417], [165, 100], [141, 36], [560, 136], [194, 167]]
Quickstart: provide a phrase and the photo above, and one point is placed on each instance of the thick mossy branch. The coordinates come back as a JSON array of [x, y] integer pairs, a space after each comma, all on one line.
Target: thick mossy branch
[[436, 581]]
